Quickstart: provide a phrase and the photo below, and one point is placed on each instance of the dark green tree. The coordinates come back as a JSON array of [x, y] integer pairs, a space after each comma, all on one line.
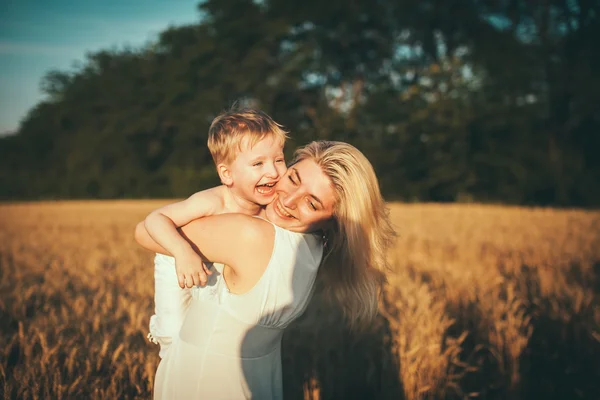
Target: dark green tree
[[490, 100]]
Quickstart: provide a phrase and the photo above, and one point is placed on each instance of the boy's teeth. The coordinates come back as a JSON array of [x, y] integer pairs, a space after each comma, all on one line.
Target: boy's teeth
[[263, 189]]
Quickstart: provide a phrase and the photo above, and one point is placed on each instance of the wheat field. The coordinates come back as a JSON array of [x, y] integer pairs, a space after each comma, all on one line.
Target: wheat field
[[485, 302]]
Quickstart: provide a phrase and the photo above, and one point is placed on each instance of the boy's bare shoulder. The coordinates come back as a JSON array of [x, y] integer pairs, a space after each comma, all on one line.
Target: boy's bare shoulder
[[215, 196]]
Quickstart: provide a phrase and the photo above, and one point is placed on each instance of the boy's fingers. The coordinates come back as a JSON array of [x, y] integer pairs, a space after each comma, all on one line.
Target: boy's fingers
[[189, 281], [202, 278], [196, 279], [181, 279]]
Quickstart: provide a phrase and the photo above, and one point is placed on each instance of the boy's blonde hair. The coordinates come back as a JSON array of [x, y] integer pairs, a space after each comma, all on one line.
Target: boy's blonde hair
[[361, 234], [228, 130]]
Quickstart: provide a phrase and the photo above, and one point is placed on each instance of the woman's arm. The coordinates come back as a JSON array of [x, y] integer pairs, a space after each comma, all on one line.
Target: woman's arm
[[242, 242]]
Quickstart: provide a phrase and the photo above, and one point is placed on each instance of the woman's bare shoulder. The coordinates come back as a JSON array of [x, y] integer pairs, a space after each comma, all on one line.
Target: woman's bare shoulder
[[235, 224], [250, 227]]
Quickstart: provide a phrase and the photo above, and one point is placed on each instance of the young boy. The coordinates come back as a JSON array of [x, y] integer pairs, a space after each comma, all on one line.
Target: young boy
[[247, 148]]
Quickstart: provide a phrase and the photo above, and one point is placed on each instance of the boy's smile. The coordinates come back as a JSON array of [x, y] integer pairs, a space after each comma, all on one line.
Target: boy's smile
[[265, 189]]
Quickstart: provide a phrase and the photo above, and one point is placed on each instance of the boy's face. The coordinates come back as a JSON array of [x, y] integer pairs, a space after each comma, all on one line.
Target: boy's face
[[257, 169]]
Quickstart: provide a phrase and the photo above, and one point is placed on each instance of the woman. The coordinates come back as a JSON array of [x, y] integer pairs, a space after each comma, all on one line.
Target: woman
[[328, 219]]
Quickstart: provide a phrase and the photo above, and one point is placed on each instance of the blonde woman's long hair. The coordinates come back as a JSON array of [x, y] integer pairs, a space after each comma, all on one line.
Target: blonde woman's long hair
[[356, 244]]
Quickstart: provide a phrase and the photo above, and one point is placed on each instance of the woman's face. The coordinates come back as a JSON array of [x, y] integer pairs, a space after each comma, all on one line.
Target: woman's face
[[304, 199]]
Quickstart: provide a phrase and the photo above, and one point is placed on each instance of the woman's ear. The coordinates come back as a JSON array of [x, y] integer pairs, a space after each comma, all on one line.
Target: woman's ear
[[225, 174]]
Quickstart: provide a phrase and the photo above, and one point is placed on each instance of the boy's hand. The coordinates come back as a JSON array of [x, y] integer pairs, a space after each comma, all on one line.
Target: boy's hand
[[191, 270]]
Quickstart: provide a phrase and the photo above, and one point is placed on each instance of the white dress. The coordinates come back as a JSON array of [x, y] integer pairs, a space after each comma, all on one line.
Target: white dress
[[229, 346]]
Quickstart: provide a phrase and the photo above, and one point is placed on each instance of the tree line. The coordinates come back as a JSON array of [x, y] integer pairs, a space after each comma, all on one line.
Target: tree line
[[473, 100]]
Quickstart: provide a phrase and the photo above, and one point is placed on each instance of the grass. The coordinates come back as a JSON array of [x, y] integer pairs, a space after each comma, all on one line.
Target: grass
[[483, 302]]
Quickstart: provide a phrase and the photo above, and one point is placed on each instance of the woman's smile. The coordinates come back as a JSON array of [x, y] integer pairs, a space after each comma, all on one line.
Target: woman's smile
[[280, 210]]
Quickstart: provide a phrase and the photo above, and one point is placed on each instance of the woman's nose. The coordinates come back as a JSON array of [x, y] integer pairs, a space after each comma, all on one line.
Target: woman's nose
[[290, 200]]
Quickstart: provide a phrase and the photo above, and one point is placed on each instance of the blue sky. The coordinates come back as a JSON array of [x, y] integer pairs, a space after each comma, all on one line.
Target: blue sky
[[39, 35]]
